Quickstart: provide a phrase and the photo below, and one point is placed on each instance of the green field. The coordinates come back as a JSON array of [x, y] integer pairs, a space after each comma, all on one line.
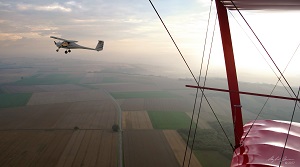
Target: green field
[[50, 79], [169, 120], [110, 80], [146, 94], [211, 158], [14, 100]]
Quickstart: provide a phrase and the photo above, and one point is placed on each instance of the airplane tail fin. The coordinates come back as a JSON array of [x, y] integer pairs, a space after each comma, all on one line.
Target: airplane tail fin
[[99, 46]]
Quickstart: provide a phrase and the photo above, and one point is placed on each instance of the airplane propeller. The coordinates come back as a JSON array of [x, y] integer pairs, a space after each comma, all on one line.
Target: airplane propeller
[[58, 46]]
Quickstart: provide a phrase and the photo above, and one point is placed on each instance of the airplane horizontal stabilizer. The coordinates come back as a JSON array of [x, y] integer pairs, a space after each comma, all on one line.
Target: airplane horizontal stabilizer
[[100, 46]]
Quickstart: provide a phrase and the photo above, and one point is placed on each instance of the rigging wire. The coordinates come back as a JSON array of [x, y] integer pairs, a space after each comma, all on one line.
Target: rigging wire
[[197, 91], [279, 77], [264, 48], [193, 76], [271, 94], [201, 99], [173, 41], [287, 136]]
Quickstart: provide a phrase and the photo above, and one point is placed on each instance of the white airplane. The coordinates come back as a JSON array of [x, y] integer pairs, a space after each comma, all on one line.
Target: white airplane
[[71, 44]]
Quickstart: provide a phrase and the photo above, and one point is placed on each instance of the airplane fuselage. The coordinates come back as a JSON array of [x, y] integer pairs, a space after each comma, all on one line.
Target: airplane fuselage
[[71, 45]]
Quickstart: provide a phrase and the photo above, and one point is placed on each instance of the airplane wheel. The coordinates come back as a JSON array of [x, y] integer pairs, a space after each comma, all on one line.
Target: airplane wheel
[[57, 50], [69, 50], [66, 52]]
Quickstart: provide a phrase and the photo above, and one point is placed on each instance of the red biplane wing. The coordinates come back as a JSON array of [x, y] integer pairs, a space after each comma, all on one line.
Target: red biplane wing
[[262, 4], [264, 145]]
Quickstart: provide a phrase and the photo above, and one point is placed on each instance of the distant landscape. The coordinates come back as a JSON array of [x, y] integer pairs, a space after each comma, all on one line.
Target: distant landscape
[[60, 112]]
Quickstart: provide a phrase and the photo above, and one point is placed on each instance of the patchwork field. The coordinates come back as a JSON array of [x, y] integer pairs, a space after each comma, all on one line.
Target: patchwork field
[[161, 104], [66, 96], [48, 79], [167, 104], [133, 104], [147, 148], [83, 115], [58, 113], [41, 88], [178, 146], [146, 94], [14, 100], [126, 87], [169, 120], [208, 158], [90, 148], [58, 148], [136, 120]]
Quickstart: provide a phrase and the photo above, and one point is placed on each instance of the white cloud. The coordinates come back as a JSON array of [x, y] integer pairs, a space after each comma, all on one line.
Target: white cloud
[[4, 4], [51, 7], [84, 21], [73, 3], [42, 28], [18, 36]]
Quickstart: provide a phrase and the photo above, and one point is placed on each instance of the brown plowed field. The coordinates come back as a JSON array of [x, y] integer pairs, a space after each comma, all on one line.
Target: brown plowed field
[[147, 148], [136, 120], [32, 148], [58, 148], [178, 146], [90, 148], [167, 104], [66, 96], [85, 115], [134, 104], [156, 104]]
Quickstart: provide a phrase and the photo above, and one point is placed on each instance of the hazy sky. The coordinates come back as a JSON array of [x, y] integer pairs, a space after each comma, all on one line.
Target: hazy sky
[[133, 33]]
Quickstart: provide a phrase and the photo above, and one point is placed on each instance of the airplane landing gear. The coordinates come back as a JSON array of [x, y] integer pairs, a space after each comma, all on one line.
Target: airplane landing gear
[[56, 50], [66, 52], [69, 50]]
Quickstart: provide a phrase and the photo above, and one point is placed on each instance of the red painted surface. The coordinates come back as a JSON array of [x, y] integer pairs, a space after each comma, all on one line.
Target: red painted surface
[[263, 4], [264, 144], [231, 72]]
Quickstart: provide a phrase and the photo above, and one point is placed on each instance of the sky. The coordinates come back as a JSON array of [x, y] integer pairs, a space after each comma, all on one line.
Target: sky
[[133, 34]]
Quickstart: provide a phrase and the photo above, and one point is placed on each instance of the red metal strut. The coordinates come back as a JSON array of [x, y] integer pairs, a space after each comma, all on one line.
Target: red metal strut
[[231, 72]]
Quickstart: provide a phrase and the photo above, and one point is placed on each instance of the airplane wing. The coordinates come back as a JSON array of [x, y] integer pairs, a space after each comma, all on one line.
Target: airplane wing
[[62, 39]]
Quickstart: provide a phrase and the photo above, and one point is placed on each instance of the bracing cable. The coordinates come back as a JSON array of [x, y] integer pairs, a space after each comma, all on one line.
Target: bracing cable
[[271, 94], [197, 91], [193, 76], [278, 77], [173, 41], [201, 99], [264, 48], [287, 136]]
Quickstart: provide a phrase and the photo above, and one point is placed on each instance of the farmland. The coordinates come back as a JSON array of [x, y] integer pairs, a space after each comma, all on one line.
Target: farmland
[[136, 120], [58, 148], [14, 100], [169, 120], [48, 79], [148, 94], [140, 146], [61, 113]]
